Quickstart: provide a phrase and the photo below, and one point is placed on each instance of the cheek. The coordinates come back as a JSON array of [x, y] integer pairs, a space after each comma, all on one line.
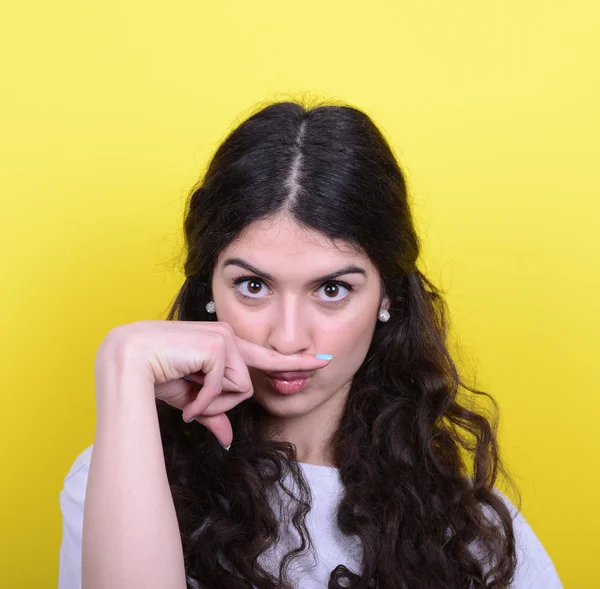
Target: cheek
[[349, 341], [245, 325]]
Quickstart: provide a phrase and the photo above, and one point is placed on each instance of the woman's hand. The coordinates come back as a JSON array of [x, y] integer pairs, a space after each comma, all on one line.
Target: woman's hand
[[171, 354]]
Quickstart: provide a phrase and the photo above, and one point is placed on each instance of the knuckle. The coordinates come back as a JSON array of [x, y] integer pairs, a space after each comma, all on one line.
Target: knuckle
[[224, 328], [219, 341], [196, 406]]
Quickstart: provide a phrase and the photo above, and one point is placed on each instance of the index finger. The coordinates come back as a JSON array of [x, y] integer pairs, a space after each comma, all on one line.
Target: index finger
[[265, 359]]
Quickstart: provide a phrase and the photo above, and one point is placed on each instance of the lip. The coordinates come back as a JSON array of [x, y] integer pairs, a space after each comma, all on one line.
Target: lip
[[291, 386], [290, 375]]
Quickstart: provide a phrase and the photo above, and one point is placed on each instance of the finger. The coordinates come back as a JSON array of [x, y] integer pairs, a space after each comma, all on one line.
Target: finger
[[213, 369], [219, 425], [198, 378], [224, 402], [176, 393], [265, 359], [236, 370]]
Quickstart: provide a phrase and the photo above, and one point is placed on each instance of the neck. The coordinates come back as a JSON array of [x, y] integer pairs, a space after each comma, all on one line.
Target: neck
[[312, 432]]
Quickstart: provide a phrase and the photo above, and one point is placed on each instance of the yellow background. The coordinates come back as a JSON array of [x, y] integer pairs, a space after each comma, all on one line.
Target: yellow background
[[109, 111]]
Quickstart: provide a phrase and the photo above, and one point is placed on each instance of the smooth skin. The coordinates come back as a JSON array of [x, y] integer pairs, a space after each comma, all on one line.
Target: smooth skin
[[294, 311]]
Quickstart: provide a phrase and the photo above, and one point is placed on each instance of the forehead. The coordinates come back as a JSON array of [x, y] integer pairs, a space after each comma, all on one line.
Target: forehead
[[280, 243]]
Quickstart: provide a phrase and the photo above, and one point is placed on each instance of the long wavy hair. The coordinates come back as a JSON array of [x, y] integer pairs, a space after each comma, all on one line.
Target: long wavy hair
[[418, 460]]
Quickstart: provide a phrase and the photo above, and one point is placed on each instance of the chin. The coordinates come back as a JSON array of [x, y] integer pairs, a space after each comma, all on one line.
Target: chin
[[285, 405]]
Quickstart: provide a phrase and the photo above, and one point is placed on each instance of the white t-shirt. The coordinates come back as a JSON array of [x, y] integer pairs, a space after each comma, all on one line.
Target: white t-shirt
[[535, 568]]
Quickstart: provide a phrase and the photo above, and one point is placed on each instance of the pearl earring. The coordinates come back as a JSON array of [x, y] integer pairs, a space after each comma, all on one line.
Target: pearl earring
[[384, 315], [210, 307]]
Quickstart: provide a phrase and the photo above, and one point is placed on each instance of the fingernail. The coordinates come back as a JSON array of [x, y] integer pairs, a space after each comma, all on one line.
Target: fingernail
[[324, 356], [225, 448], [193, 419]]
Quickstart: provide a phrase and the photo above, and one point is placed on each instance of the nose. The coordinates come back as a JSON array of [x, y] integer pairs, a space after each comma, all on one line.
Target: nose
[[289, 328]]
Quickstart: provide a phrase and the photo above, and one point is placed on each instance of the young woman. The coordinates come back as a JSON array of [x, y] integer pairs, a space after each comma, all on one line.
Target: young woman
[[297, 421]]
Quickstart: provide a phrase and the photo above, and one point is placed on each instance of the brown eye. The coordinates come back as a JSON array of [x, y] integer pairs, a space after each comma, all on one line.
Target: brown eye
[[249, 288], [254, 286], [332, 290]]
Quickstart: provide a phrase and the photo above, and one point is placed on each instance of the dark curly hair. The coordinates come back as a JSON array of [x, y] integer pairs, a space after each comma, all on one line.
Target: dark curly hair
[[417, 458]]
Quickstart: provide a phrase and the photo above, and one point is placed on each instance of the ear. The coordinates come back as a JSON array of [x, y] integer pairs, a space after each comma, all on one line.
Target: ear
[[385, 303]]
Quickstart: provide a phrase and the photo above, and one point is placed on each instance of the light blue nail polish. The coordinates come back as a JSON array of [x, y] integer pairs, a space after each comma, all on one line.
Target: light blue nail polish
[[324, 356], [193, 419], [225, 447]]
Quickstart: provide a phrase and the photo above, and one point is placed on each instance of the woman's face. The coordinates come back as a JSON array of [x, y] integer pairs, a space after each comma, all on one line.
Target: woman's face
[[268, 285]]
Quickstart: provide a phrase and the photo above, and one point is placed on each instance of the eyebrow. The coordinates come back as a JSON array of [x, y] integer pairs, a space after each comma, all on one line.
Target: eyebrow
[[351, 269]]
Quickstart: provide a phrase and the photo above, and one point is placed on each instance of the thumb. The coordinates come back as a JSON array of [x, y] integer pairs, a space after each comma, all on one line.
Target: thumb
[[220, 426]]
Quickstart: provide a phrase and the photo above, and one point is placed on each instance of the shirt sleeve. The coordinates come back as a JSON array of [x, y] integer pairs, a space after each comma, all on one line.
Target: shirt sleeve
[[71, 500], [535, 569]]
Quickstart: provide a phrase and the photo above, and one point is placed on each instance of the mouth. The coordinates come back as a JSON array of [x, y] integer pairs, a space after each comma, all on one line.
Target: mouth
[[288, 383], [290, 375]]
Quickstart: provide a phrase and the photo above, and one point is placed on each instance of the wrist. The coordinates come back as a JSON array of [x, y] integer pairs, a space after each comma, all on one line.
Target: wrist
[[119, 371]]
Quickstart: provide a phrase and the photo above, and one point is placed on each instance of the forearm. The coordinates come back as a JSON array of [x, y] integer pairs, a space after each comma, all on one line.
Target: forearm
[[131, 538]]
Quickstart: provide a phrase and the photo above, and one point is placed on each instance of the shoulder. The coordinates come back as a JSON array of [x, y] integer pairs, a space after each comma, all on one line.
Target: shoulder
[[535, 569]]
